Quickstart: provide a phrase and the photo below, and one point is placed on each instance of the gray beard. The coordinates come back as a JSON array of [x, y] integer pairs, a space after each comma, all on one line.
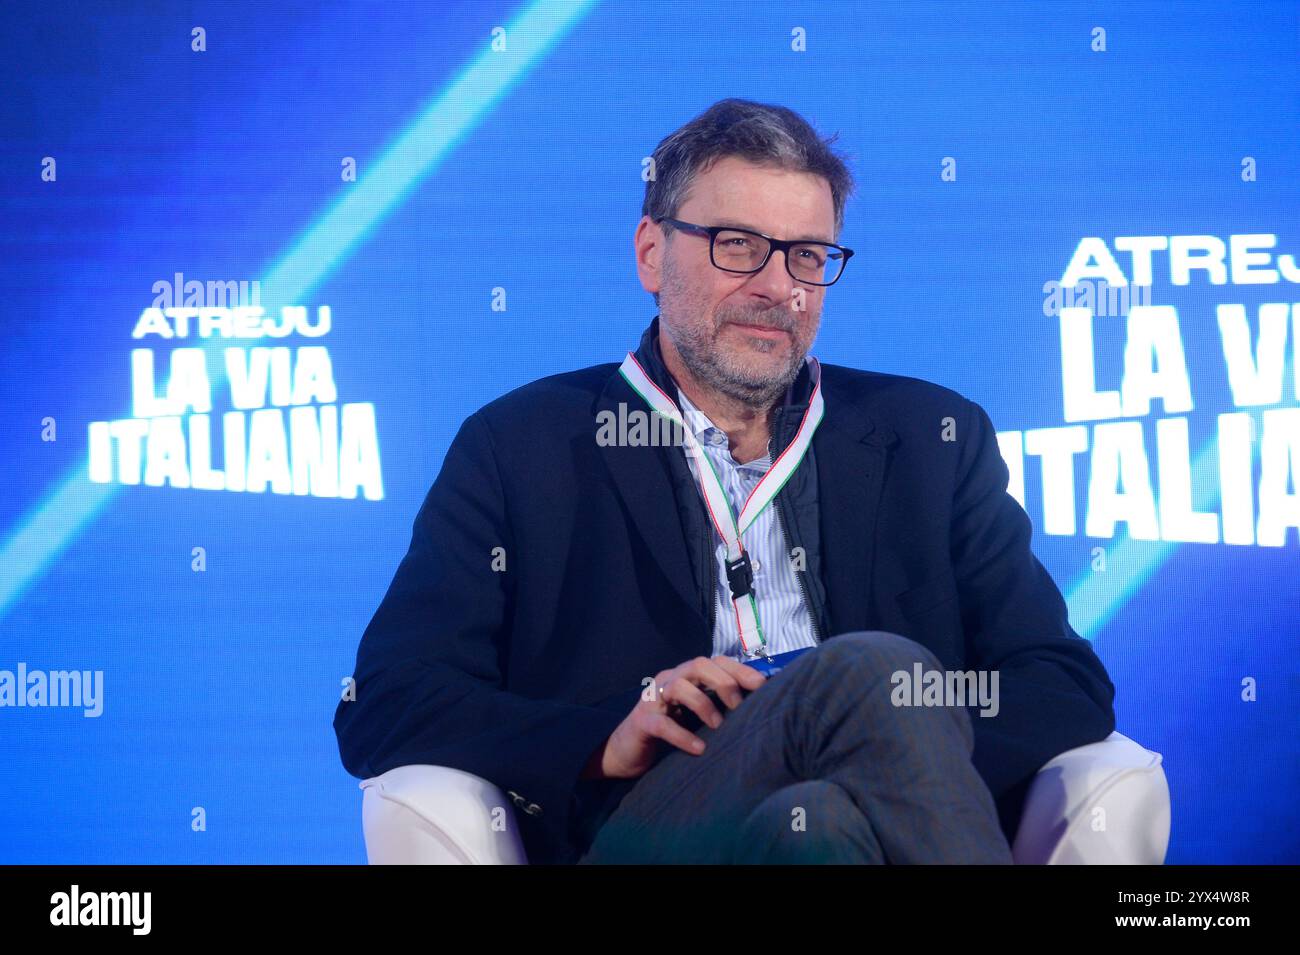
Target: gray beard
[[703, 364]]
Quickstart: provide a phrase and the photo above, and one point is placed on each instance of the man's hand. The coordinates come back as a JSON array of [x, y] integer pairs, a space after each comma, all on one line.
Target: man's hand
[[633, 747]]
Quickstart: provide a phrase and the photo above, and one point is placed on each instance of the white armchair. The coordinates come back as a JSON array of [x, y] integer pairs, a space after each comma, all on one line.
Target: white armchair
[[1107, 803]]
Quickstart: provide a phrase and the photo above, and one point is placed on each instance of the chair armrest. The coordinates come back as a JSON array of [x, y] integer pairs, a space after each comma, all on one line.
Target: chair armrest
[[433, 815], [1104, 803]]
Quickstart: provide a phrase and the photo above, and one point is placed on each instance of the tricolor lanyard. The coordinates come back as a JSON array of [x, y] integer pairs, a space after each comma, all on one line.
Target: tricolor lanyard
[[740, 573]]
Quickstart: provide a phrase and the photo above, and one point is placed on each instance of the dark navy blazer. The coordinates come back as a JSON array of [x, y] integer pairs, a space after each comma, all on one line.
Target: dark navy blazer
[[549, 574]]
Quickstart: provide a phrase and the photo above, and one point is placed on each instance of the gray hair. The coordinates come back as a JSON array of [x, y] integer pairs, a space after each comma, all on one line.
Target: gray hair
[[757, 132]]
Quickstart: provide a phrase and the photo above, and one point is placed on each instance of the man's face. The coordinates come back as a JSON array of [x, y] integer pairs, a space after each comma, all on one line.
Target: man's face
[[744, 334]]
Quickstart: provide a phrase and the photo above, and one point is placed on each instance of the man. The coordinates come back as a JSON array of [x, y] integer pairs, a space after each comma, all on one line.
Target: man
[[572, 595]]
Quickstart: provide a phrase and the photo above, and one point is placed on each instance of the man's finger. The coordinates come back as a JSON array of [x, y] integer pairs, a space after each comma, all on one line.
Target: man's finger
[[744, 674], [688, 695], [715, 675], [669, 730]]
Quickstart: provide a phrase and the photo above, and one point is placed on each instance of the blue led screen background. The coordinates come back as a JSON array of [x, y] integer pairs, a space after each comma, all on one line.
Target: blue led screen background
[[434, 203]]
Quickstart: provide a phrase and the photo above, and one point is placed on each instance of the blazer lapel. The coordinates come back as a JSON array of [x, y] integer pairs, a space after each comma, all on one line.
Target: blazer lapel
[[644, 481], [852, 453]]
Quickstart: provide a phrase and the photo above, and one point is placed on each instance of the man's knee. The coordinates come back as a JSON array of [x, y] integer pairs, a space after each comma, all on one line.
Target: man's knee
[[863, 659], [864, 671]]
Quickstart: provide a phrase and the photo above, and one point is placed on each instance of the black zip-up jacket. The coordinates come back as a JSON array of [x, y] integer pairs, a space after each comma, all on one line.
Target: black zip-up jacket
[[544, 584]]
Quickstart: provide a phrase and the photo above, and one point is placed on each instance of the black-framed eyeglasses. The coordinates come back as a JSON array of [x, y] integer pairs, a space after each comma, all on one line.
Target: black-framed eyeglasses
[[745, 251]]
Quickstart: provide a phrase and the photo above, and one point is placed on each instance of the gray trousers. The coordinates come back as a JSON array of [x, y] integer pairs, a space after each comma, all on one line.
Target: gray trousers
[[817, 766]]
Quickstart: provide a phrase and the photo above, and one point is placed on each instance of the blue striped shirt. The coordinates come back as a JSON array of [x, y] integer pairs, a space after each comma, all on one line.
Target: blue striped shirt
[[782, 612]]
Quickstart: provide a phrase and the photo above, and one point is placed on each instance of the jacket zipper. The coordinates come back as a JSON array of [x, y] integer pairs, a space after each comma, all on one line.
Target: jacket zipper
[[710, 562], [799, 575]]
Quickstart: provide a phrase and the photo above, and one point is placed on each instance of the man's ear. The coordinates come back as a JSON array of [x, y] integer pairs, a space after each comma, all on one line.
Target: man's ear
[[648, 248]]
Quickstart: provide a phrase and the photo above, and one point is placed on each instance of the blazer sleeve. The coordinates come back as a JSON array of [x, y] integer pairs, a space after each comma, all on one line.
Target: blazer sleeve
[[428, 680], [1054, 692]]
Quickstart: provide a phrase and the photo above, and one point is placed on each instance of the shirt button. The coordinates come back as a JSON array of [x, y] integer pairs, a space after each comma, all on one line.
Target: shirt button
[[758, 565], [717, 439]]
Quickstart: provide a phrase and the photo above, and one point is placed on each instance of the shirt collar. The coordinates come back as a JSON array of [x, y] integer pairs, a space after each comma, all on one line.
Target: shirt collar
[[697, 420], [704, 429]]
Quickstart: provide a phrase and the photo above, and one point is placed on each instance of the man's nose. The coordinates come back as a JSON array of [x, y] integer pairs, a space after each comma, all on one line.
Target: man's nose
[[773, 280]]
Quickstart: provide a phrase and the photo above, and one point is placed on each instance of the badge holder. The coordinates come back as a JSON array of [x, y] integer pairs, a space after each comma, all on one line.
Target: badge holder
[[740, 577]]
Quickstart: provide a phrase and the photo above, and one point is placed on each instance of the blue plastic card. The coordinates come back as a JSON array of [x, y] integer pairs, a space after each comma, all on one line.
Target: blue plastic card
[[774, 664]]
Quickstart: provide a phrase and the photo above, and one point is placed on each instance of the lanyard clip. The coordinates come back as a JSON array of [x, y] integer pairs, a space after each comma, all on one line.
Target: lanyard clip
[[740, 576]]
